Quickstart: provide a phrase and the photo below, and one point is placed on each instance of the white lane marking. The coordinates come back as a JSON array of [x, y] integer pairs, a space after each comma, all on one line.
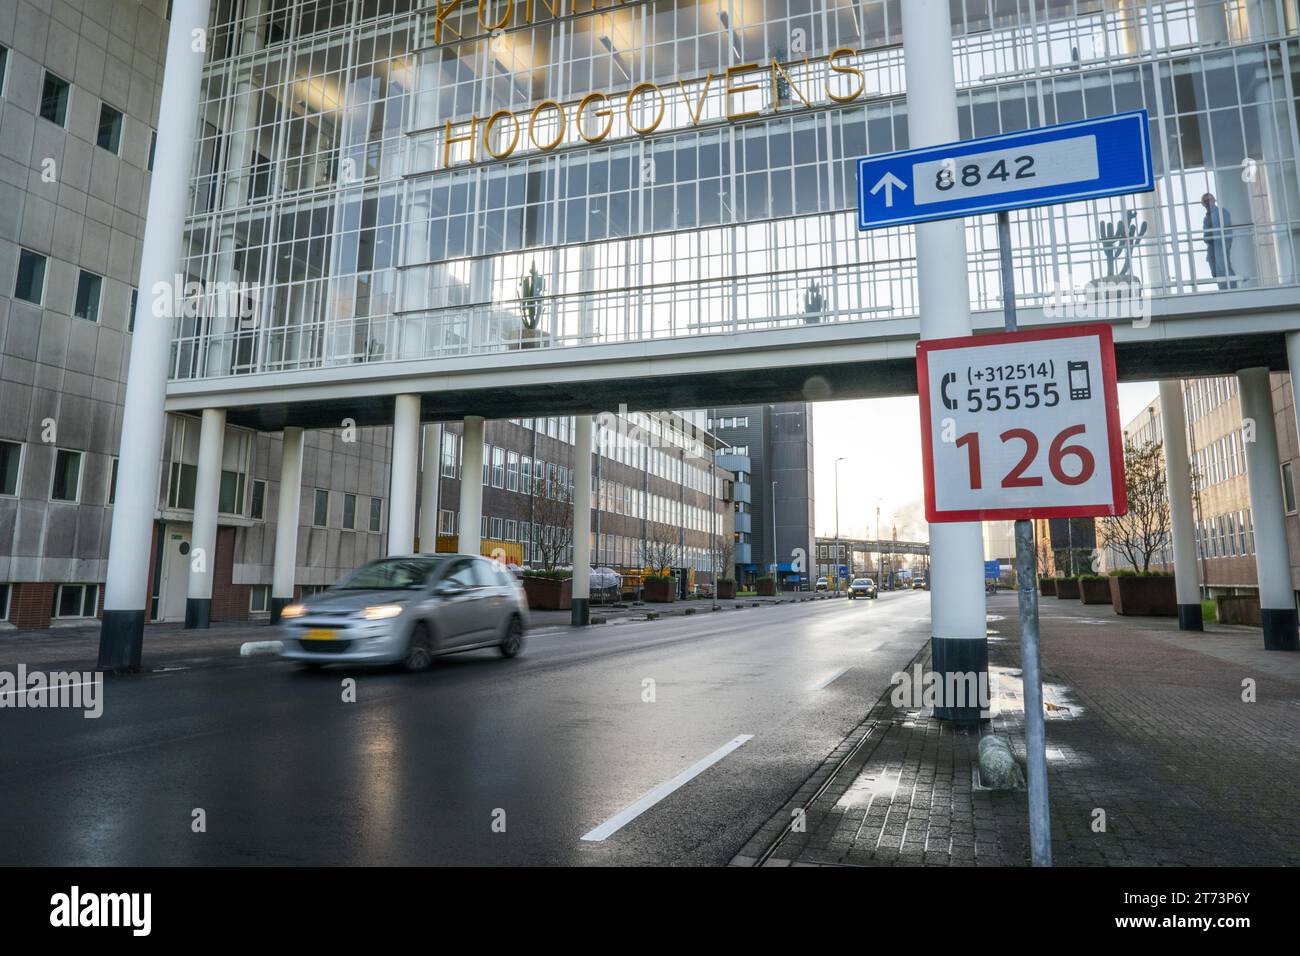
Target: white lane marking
[[832, 679], [649, 799], [13, 694]]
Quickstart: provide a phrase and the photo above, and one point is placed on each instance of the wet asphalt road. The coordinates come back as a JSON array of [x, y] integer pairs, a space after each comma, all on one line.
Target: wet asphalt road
[[417, 770]]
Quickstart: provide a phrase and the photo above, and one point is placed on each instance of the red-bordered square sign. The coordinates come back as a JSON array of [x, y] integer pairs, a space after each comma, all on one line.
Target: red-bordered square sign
[[1021, 425]]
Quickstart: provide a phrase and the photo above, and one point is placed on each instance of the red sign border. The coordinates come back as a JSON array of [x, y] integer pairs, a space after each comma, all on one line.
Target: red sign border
[[1115, 436]]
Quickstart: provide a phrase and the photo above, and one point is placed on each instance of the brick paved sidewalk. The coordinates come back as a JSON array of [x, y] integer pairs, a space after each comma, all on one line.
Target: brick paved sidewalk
[[1144, 723]]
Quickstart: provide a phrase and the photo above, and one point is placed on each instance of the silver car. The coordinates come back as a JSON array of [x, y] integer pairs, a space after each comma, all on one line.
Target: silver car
[[408, 611]]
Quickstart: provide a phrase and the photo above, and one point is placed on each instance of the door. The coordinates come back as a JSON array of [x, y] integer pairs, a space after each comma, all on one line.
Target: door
[[175, 573], [456, 621]]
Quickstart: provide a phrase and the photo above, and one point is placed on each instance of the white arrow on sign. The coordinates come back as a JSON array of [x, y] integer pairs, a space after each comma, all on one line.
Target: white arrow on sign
[[889, 182]]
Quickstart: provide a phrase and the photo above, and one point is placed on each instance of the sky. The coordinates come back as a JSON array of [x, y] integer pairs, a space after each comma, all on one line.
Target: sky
[[880, 440]]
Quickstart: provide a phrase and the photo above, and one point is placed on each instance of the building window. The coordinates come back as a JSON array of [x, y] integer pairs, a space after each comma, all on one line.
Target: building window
[[30, 283], [11, 461], [376, 513], [110, 129], [65, 484], [450, 454], [446, 522], [89, 286], [130, 315], [4, 69], [1288, 487], [349, 511], [230, 500], [494, 529], [54, 99], [512, 471], [4, 602], [112, 482], [259, 598], [180, 486], [75, 600], [321, 511], [257, 507], [153, 148], [498, 467]]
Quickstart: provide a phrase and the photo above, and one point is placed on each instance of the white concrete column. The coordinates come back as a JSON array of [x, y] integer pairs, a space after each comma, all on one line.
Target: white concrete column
[[957, 599], [203, 534], [1178, 478], [1267, 514], [121, 635], [582, 432], [286, 522], [430, 471], [471, 486], [402, 485]]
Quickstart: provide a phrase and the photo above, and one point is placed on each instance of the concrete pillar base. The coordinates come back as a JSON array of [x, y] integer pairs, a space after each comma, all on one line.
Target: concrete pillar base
[[121, 637], [581, 612], [278, 605], [198, 613], [960, 656], [1190, 617], [1280, 628]]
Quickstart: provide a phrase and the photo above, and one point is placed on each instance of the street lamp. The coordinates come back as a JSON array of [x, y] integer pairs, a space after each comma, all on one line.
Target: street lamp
[[835, 564]]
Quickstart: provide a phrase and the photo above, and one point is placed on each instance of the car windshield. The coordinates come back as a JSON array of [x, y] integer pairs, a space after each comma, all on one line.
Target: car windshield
[[862, 581], [390, 574]]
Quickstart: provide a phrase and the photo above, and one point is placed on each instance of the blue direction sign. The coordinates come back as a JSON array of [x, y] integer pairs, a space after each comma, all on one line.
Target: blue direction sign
[[1109, 156], [992, 570]]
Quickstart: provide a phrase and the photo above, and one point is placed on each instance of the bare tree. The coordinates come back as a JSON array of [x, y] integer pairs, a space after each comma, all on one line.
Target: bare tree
[[660, 549], [551, 523], [722, 558], [1144, 530]]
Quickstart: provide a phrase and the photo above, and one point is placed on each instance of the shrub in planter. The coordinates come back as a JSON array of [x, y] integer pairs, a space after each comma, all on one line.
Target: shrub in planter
[[1143, 595], [766, 587], [660, 588], [1067, 589], [1094, 589], [1047, 586], [549, 590], [726, 589]]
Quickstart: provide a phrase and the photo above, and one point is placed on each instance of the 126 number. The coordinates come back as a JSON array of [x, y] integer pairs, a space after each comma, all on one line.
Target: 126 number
[[1056, 457]]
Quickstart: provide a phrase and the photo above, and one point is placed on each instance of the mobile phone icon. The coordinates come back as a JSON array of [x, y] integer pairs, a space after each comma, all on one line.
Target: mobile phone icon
[[1080, 381]]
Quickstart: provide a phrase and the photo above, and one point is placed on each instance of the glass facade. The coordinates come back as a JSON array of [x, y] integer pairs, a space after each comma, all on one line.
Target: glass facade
[[391, 180]]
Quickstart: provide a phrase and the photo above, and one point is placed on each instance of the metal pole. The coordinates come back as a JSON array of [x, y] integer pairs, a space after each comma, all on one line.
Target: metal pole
[[1040, 820]]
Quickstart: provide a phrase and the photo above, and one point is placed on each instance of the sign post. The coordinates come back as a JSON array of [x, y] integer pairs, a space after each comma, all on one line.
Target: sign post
[[989, 404]]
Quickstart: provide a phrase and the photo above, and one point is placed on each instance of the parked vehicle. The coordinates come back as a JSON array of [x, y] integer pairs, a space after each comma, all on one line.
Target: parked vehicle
[[823, 584], [408, 610], [606, 585], [862, 587]]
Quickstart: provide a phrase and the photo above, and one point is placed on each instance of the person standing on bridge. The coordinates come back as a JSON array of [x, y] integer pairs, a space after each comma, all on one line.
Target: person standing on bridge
[[1217, 233]]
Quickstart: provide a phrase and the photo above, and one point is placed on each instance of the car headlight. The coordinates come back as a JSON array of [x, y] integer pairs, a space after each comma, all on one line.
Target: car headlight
[[380, 612], [293, 610]]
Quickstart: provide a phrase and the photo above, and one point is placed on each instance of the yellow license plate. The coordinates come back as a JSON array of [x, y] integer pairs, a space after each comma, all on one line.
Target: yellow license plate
[[320, 634]]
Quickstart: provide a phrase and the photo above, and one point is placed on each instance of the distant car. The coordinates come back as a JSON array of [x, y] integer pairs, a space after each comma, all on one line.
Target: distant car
[[918, 585], [408, 610], [606, 585], [862, 587], [823, 584]]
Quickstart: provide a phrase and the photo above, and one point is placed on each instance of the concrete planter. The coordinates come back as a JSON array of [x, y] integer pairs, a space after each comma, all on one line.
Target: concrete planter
[[1094, 590], [1152, 596], [661, 592], [726, 590], [1067, 589], [1239, 609], [1047, 586], [549, 594], [766, 588]]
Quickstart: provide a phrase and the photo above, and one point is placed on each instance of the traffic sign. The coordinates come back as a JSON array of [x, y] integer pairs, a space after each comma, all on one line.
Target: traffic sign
[[1089, 159], [1021, 425], [992, 571]]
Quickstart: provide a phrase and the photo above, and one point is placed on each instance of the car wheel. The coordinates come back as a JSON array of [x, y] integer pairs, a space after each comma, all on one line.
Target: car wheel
[[419, 652], [513, 642]]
